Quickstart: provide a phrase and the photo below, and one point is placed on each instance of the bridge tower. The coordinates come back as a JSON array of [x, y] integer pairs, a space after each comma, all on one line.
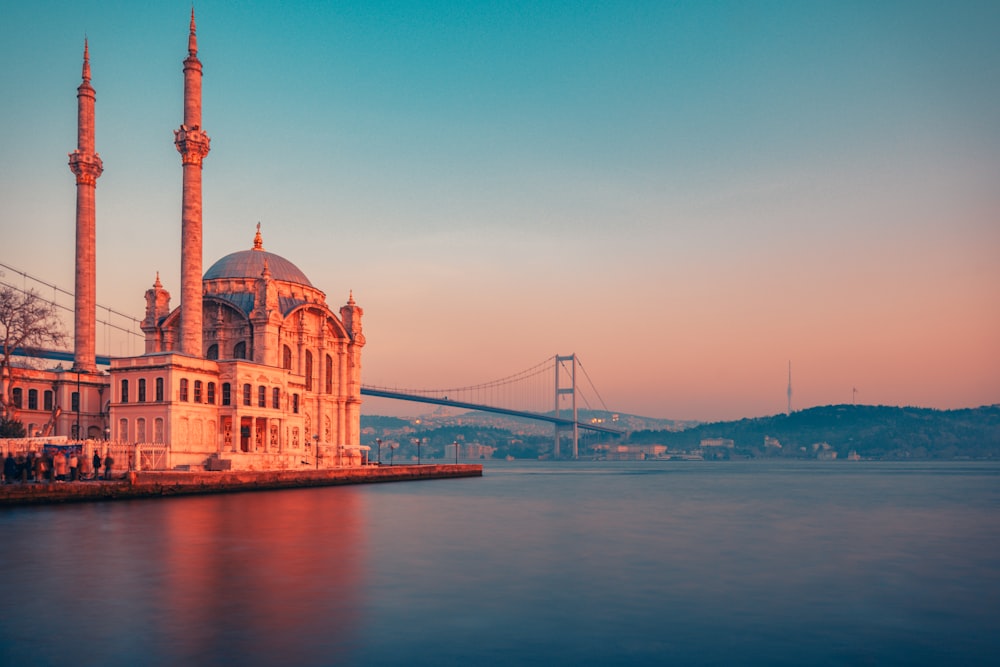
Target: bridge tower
[[559, 393]]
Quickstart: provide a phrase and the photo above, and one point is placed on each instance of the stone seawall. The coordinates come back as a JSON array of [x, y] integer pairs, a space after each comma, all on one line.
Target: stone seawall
[[163, 484]]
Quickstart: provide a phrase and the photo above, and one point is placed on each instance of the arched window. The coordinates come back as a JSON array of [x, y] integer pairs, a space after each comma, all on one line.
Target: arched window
[[240, 351], [227, 397], [16, 397], [261, 396], [246, 394], [213, 351], [158, 430], [286, 358], [140, 429], [295, 403], [309, 370], [47, 398], [329, 374], [123, 430], [142, 390], [184, 389], [276, 398], [32, 399], [197, 391], [124, 391], [210, 398]]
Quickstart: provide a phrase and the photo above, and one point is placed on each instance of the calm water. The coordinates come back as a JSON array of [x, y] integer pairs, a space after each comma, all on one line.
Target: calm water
[[534, 564]]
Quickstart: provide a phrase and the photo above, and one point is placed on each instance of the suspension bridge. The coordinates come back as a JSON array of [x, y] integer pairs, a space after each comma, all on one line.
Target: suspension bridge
[[546, 392]]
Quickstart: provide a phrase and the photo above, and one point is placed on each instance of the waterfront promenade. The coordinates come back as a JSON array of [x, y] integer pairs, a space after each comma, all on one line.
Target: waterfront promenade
[[159, 484]]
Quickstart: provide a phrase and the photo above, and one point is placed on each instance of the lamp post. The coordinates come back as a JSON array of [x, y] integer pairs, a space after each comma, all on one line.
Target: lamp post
[[378, 442], [417, 442], [456, 451], [316, 440], [392, 448]]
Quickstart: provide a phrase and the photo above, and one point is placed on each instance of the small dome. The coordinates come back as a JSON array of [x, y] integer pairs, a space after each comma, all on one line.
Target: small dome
[[250, 264]]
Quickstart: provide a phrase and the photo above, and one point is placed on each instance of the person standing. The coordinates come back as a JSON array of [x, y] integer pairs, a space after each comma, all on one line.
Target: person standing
[[74, 466], [9, 468], [108, 462], [97, 464]]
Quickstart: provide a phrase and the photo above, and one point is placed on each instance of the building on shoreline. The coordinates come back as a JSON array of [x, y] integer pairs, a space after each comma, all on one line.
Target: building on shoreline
[[253, 368]]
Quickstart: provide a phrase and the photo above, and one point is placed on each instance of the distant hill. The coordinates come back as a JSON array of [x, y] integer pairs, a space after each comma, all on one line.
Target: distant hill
[[869, 431]]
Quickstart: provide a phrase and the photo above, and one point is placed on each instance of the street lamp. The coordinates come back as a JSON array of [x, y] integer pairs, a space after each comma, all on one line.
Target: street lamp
[[456, 452], [417, 443], [378, 441], [316, 440], [392, 448]]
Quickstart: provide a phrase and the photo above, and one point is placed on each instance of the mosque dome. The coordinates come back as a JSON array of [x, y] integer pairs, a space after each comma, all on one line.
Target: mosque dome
[[250, 264]]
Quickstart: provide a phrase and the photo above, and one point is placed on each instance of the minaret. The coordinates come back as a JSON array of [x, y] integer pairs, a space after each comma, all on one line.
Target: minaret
[[87, 166], [193, 145]]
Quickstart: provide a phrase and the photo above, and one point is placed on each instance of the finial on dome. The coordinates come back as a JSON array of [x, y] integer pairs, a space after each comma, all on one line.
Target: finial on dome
[[86, 61], [266, 273], [157, 284], [258, 240], [350, 298], [192, 38]]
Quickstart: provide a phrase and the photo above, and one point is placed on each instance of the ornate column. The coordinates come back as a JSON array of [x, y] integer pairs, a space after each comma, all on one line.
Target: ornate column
[[87, 166], [193, 145]]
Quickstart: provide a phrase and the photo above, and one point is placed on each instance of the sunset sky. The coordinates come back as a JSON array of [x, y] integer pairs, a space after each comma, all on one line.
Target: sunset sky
[[688, 195]]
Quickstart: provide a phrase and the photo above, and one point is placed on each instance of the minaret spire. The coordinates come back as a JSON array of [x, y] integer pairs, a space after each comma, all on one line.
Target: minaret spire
[[193, 145], [87, 166]]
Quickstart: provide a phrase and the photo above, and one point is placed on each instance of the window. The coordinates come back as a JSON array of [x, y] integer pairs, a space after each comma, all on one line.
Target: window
[[213, 351], [211, 394], [159, 390], [240, 351], [124, 391], [262, 396], [286, 358], [184, 389], [47, 397], [122, 429], [329, 374], [295, 403], [226, 394], [74, 401], [17, 396], [246, 394], [276, 398], [32, 399], [142, 390], [309, 370], [197, 391]]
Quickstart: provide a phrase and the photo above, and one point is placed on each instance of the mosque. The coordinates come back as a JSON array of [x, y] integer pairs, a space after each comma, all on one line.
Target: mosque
[[252, 371]]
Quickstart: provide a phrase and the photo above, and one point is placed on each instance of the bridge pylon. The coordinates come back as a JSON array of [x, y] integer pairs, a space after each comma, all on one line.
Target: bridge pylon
[[561, 391]]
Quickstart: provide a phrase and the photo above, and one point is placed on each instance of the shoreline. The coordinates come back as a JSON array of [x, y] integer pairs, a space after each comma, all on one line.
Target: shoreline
[[165, 484]]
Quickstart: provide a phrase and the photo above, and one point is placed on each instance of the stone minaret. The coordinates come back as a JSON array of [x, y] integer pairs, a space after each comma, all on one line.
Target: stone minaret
[[87, 166], [193, 145]]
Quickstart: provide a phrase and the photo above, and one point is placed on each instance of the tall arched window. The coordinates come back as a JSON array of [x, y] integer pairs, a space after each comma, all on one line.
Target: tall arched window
[[184, 389], [261, 396], [226, 393], [159, 390], [210, 396], [213, 351], [240, 351], [142, 390], [124, 391], [309, 370], [47, 398], [286, 358], [197, 391], [246, 394], [16, 396], [32, 399], [329, 374]]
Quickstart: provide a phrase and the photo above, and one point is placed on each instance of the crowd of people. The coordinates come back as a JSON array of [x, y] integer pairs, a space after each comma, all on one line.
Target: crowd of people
[[48, 466]]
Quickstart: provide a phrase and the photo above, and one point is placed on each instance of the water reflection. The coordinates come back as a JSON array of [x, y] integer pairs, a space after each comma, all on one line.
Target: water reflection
[[259, 578]]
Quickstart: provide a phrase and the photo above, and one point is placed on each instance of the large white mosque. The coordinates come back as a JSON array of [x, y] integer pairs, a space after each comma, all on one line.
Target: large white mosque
[[253, 370]]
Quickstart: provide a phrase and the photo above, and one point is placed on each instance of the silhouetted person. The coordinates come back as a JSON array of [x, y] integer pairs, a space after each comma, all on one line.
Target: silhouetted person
[[108, 462], [9, 469], [97, 464]]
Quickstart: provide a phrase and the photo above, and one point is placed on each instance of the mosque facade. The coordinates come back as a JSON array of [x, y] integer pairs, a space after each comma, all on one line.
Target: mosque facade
[[252, 370]]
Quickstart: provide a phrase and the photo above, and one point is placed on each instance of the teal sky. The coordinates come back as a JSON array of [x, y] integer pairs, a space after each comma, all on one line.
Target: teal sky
[[688, 195]]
